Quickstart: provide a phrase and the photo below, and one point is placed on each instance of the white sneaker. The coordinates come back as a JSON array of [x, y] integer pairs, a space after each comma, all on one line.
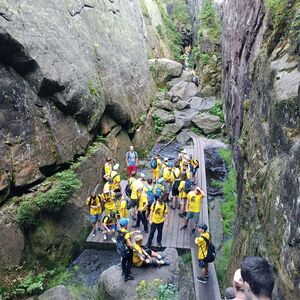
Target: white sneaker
[[113, 240], [104, 237]]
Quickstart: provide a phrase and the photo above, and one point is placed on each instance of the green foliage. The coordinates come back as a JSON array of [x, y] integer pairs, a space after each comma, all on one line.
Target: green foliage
[[60, 275], [81, 291], [144, 9], [217, 110], [187, 257], [278, 10], [174, 36], [31, 284], [160, 31], [229, 205], [159, 124], [222, 262], [180, 13], [197, 131], [205, 58], [154, 71], [52, 201], [156, 290]]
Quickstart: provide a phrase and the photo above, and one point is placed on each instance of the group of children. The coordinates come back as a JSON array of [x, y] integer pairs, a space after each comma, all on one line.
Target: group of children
[[146, 201]]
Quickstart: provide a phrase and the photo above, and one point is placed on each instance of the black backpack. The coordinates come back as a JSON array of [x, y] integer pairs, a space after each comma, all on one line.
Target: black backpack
[[128, 189], [211, 251], [121, 245]]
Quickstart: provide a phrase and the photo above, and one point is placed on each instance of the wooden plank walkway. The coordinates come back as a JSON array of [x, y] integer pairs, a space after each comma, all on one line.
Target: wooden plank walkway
[[176, 238], [209, 291], [172, 235]]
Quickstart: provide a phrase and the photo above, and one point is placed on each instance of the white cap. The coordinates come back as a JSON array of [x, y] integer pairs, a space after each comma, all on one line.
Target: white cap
[[166, 159], [142, 175], [238, 277], [187, 158], [116, 167]]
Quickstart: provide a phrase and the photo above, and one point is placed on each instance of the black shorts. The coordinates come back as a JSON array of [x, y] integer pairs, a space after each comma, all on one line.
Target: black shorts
[[133, 203], [175, 186]]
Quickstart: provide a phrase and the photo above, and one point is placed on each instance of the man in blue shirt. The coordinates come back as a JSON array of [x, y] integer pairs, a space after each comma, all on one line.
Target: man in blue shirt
[[132, 161]]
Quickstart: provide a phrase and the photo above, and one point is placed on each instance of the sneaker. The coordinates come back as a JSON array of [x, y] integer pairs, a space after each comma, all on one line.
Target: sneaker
[[206, 276], [183, 227], [129, 277], [161, 257], [180, 215], [193, 231], [99, 230], [113, 240], [172, 207], [148, 246], [202, 280], [94, 232], [159, 245], [133, 218], [178, 207], [105, 237]]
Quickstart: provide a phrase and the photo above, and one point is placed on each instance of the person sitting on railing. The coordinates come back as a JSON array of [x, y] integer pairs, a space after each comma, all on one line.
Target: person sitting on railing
[[146, 257]]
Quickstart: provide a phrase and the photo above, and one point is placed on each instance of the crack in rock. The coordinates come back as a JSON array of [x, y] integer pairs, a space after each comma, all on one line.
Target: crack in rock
[[5, 16], [75, 12]]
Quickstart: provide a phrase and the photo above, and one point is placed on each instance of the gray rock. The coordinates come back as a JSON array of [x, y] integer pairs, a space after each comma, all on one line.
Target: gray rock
[[185, 117], [112, 286], [208, 91], [165, 116], [283, 63], [160, 96], [59, 292], [184, 90], [207, 122], [168, 96], [171, 129], [183, 138], [215, 221], [165, 105], [200, 104], [185, 76], [180, 105], [164, 69], [106, 124]]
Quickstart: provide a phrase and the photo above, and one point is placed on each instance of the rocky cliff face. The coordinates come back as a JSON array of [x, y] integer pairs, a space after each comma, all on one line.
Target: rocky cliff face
[[61, 69], [70, 71], [261, 92]]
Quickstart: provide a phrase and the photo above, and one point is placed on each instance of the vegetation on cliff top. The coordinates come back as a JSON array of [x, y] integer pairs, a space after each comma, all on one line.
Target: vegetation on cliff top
[[63, 185]]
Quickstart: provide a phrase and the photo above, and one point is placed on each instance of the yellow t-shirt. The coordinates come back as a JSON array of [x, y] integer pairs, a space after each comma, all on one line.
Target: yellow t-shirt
[[108, 221], [143, 201], [116, 180], [194, 162], [158, 212], [97, 202], [194, 201], [134, 185], [182, 194], [175, 174], [158, 165], [200, 242], [137, 251], [127, 233], [123, 206], [107, 168], [167, 175], [108, 200], [107, 186], [188, 174]]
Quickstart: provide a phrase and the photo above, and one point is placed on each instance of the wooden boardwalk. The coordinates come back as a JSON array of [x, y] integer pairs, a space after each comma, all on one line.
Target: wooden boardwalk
[[172, 235], [176, 238]]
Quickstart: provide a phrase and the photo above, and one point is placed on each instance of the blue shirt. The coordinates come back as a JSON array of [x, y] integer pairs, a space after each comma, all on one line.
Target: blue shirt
[[131, 157]]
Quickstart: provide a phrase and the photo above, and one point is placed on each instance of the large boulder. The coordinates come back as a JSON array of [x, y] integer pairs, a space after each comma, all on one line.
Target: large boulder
[[165, 105], [185, 76], [208, 91], [165, 116], [199, 104], [184, 90], [207, 123], [112, 286], [107, 124], [183, 138], [180, 105], [59, 292], [164, 70]]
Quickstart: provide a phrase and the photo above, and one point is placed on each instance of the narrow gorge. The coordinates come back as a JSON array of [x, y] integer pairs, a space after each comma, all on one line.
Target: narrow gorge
[[83, 80]]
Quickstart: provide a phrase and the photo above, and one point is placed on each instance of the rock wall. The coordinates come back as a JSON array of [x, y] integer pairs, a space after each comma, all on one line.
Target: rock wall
[[71, 71], [61, 69], [261, 93]]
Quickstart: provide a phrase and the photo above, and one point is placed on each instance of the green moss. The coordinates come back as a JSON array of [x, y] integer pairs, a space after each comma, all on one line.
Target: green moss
[[160, 31], [52, 201], [222, 262], [217, 110], [197, 131], [159, 124], [156, 290], [82, 291], [144, 9], [154, 71], [277, 9]]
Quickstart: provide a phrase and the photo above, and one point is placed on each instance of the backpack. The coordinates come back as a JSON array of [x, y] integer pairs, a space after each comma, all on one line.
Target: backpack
[[121, 245], [211, 251], [128, 189], [153, 163], [196, 163], [165, 206], [150, 195], [158, 191], [187, 186]]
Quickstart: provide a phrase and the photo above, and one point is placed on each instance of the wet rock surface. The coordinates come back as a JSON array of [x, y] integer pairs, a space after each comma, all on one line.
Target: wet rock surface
[[207, 123]]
